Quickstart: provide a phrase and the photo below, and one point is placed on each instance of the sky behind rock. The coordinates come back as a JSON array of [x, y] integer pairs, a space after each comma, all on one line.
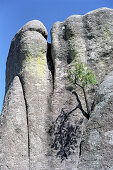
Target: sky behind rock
[[14, 14]]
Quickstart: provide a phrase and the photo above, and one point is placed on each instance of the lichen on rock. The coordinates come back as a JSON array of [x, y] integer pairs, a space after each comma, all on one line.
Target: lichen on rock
[[42, 125]]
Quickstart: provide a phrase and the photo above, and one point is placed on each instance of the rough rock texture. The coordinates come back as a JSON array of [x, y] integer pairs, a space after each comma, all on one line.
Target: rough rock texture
[[43, 125], [97, 140], [66, 38], [27, 60], [14, 134], [90, 38], [95, 146]]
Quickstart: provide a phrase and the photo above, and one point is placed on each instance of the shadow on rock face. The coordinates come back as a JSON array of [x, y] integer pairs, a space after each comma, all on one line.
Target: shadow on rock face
[[65, 135]]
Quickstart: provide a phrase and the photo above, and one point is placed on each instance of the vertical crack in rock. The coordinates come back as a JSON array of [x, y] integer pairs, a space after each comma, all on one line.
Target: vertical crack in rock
[[26, 105], [80, 148], [50, 62]]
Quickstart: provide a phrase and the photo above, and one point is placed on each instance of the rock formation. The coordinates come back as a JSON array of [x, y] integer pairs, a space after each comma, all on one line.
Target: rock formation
[[42, 126]]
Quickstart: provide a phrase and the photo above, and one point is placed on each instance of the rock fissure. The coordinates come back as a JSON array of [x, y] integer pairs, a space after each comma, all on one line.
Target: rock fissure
[[27, 119], [50, 63]]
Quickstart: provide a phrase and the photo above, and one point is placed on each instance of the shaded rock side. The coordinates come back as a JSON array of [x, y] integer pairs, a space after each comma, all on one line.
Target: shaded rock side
[[13, 130], [27, 60], [89, 38]]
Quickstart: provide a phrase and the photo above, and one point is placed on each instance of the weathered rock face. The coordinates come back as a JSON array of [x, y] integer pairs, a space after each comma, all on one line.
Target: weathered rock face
[[27, 60], [96, 143], [97, 140], [43, 125], [14, 131], [89, 38], [67, 37]]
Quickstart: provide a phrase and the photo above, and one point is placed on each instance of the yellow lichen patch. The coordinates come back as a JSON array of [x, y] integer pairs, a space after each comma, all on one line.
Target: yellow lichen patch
[[41, 64], [36, 66]]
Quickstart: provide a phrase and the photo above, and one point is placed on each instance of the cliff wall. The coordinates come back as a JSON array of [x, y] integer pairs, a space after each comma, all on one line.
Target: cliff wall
[[42, 125]]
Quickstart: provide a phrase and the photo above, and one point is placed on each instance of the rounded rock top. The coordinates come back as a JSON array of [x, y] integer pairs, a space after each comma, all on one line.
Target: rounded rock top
[[103, 9], [34, 25]]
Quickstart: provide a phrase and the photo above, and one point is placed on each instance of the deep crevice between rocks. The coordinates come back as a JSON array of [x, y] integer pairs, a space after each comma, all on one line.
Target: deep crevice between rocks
[[26, 107], [50, 62]]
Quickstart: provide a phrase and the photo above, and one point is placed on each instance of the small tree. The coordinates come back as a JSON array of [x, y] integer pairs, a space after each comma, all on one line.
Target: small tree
[[80, 75]]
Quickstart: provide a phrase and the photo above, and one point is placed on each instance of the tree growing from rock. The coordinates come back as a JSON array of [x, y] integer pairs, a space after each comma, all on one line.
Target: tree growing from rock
[[65, 136], [81, 75]]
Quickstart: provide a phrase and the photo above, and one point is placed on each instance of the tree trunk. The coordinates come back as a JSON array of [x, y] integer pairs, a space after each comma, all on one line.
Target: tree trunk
[[86, 101]]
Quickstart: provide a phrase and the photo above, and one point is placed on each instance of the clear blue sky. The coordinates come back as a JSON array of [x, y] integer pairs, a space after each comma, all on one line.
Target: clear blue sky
[[15, 13]]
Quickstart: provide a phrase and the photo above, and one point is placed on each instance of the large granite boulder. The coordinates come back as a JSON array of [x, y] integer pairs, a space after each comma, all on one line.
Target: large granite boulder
[[44, 123], [27, 61], [68, 119], [95, 144], [89, 38], [14, 130]]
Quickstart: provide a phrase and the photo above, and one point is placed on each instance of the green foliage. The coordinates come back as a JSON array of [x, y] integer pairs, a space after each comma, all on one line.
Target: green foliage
[[81, 75]]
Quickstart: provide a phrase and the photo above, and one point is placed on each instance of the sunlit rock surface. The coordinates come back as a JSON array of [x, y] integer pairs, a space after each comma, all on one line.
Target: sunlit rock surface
[[43, 125]]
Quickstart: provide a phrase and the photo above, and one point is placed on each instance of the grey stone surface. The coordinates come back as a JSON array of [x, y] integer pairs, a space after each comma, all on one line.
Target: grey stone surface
[[91, 38], [95, 148], [27, 60], [98, 29], [97, 140], [52, 133], [67, 37], [14, 131]]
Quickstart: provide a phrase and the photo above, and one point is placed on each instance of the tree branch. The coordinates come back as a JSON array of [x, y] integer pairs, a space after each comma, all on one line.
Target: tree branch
[[86, 101], [80, 105]]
